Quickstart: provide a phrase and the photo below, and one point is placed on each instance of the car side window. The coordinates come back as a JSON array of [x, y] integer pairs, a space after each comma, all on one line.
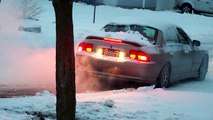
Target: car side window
[[183, 37], [171, 35]]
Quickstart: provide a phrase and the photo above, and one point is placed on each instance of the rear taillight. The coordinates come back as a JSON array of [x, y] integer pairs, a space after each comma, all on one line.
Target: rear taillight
[[85, 47], [143, 57], [81, 47], [133, 54], [89, 47], [138, 55]]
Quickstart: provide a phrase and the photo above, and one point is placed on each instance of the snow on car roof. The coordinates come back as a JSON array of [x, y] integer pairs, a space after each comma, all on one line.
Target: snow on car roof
[[130, 36], [134, 36], [158, 24]]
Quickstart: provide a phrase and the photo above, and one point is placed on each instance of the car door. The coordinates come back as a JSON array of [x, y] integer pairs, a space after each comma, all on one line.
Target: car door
[[174, 50], [202, 5], [188, 54], [211, 6]]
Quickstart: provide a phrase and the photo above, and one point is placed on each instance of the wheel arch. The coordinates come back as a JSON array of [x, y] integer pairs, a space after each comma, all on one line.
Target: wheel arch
[[188, 3], [165, 64], [205, 56], [158, 81], [168, 63], [202, 72]]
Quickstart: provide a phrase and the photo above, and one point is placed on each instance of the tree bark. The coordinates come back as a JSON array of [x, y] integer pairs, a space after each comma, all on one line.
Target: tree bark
[[65, 61]]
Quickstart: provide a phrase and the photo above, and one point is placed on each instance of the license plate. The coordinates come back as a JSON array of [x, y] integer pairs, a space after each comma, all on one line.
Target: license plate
[[113, 53]]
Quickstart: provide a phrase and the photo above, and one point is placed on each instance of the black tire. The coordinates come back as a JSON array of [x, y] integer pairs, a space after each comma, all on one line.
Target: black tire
[[186, 8], [203, 69], [163, 80]]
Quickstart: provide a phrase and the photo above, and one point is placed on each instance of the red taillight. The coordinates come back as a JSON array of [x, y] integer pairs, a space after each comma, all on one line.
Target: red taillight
[[81, 47], [89, 47], [85, 47], [112, 40], [138, 55], [133, 54], [143, 57]]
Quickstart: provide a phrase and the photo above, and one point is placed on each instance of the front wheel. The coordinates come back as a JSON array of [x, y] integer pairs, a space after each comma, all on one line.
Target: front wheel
[[203, 68], [186, 8], [164, 78]]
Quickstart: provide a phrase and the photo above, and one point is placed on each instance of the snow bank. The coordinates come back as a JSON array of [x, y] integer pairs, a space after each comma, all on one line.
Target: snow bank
[[24, 107], [143, 103]]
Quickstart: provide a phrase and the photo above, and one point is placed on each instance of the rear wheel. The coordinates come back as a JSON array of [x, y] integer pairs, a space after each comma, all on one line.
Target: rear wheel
[[164, 78], [203, 69], [186, 8]]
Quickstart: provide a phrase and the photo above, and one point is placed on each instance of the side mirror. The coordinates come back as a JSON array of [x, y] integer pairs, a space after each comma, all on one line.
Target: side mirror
[[196, 43]]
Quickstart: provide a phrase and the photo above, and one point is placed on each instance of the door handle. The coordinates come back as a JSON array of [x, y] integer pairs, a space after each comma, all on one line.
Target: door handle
[[207, 2]]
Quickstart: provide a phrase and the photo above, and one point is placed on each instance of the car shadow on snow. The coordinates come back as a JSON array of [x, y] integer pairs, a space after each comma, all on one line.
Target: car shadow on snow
[[202, 14], [194, 85], [105, 84]]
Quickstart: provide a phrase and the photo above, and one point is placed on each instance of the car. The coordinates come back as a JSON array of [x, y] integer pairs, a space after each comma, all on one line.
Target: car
[[198, 6], [154, 54]]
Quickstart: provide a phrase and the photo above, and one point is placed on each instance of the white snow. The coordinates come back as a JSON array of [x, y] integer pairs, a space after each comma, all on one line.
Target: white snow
[[125, 36], [28, 59], [143, 103]]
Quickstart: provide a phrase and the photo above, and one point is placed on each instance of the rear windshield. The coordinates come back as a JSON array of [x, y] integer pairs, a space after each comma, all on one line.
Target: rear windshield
[[149, 32], [116, 28]]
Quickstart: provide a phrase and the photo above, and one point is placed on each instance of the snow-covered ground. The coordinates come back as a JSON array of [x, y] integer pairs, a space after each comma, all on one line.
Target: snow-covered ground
[[28, 59]]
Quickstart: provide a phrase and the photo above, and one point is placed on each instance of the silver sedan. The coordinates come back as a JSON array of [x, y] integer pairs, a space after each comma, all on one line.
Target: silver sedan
[[160, 55]]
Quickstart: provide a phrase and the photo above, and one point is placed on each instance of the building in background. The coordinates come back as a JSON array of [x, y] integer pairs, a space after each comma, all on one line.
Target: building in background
[[166, 4], [144, 4]]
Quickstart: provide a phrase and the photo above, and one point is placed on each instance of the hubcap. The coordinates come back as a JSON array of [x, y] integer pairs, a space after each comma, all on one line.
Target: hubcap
[[165, 78], [186, 9], [203, 68]]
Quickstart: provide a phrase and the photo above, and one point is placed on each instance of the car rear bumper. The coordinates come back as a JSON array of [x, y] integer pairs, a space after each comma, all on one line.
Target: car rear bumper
[[140, 72]]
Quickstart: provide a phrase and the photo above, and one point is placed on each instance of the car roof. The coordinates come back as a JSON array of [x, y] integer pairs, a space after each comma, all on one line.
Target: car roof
[[158, 24]]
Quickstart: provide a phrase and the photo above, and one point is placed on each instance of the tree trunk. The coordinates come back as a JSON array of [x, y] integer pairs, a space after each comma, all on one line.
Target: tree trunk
[[65, 61]]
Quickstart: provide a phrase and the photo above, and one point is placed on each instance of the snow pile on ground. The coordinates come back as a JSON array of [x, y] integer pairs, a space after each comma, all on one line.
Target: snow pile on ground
[[25, 108], [145, 103]]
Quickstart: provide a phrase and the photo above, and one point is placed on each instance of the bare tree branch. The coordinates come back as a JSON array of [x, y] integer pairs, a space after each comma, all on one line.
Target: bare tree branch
[[25, 9]]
